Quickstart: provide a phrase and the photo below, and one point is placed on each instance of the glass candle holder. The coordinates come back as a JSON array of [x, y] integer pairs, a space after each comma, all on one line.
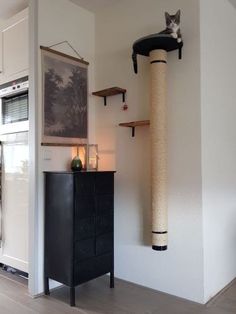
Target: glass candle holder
[[92, 157]]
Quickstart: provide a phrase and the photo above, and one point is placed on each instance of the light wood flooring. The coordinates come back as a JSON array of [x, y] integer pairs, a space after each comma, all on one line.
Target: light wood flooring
[[96, 297]]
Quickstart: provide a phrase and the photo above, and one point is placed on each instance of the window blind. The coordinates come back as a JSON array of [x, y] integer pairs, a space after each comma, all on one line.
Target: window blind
[[15, 109]]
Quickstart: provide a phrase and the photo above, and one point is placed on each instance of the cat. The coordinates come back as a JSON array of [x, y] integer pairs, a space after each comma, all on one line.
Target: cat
[[173, 26]]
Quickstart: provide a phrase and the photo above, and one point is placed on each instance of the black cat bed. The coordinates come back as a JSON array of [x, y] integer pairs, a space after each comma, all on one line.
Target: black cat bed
[[144, 45]]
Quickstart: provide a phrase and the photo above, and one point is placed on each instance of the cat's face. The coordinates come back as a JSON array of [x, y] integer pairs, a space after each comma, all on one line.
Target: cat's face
[[173, 21]]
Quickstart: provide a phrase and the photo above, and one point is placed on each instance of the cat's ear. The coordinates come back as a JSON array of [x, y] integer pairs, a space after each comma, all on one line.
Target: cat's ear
[[177, 15], [167, 16]]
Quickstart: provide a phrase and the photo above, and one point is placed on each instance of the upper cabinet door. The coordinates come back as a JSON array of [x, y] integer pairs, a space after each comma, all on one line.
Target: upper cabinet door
[[1, 55], [15, 49]]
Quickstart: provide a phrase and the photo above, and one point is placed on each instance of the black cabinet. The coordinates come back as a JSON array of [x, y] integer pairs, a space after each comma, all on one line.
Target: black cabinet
[[79, 227]]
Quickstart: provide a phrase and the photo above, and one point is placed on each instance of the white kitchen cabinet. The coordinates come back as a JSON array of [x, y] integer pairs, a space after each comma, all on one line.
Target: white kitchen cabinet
[[14, 47], [1, 56]]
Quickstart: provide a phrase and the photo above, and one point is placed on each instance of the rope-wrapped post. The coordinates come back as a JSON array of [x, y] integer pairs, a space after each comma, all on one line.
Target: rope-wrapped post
[[156, 47], [158, 124]]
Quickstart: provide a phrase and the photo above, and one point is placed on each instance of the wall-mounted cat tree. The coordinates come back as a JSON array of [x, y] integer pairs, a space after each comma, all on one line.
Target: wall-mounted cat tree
[[156, 47]]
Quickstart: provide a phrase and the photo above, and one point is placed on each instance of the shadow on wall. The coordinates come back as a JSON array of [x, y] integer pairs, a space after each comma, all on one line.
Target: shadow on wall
[[133, 188]]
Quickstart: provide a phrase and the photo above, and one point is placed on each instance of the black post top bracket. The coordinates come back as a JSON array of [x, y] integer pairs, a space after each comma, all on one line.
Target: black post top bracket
[[145, 45]]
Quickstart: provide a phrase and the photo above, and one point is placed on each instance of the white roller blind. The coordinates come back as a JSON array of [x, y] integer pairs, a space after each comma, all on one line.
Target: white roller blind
[[15, 109]]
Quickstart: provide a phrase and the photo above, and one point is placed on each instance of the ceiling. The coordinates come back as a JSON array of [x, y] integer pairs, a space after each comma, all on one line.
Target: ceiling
[[94, 5], [10, 7], [233, 2]]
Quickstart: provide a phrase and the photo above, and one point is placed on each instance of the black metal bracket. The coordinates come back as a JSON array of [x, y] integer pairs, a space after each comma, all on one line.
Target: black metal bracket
[[133, 131], [105, 99], [123, 97], [180, 53], [135, 64]]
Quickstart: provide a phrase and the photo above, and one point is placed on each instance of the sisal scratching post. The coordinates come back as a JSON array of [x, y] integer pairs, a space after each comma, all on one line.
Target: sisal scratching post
[[156, 47], [158, 59]]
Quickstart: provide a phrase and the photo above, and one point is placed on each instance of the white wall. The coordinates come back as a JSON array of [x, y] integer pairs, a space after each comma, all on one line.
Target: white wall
[[60, 20], [179, 270], [218, 64], [201, 174]]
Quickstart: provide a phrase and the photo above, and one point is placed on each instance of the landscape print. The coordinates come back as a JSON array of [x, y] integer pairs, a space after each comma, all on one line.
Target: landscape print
[[65, 97]]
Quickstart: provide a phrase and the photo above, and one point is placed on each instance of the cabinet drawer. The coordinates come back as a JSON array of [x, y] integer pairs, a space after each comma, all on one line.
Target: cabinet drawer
[[92, 268], [84, 206], [104, 183], [104, 224], [84, 228], [84, 184], [84, 249], [105, 203], [104, 244]]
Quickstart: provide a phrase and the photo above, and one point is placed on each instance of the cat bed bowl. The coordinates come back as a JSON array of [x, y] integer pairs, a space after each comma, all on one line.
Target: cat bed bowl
[[144, 45]]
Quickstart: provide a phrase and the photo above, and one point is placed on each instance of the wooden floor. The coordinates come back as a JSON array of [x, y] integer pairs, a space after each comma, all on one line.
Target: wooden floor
[[96, 297]]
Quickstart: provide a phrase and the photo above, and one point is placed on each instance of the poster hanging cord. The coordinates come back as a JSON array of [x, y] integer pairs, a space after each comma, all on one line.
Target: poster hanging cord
[[66, 42]]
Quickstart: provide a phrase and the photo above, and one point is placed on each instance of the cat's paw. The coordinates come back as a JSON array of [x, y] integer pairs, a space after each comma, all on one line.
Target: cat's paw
[[174, 35], [179, 40]]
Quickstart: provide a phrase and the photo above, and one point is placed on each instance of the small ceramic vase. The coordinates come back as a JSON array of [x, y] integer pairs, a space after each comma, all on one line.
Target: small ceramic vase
[[76, 164]]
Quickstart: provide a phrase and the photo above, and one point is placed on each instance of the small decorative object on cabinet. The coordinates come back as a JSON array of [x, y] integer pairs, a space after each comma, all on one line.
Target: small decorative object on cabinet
[[88, 154], [81, 154], [110, 92], [79, 236], [76, 164], [92, 157], [79, 161], [133, 125]]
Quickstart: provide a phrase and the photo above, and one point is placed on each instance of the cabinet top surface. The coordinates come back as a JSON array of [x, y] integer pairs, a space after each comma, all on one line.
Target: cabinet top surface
[[78, 172]]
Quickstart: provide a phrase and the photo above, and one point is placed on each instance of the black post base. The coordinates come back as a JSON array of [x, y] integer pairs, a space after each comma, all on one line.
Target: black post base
[[72, 296], [159, 248], [111, 279], [46, 286]]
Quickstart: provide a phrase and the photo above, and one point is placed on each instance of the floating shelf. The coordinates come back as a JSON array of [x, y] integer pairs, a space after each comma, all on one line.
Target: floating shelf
[[61, 144], [110, 92], [134, 124]]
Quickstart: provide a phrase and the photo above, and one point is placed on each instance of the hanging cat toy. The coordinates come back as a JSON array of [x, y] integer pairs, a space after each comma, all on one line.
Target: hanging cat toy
[[172, 31]]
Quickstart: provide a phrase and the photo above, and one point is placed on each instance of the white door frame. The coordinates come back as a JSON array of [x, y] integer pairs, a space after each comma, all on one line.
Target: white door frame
[[33, 148]]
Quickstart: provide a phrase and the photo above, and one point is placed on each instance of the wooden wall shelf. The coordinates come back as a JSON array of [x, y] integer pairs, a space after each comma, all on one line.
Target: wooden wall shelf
[[110, 92], [62, 144], [134, 124]]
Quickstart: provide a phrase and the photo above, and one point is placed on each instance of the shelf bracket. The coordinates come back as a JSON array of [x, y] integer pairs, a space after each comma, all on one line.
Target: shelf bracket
[[133, 131], [180, 53], [105, 100], [123, 97]]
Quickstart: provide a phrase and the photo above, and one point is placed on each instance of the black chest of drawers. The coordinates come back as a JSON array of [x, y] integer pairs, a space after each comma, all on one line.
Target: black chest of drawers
[[79, 227]]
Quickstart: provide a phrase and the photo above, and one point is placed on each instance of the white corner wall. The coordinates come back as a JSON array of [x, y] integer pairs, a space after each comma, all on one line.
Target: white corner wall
[[201, 256], [178, 271], [218, 64], [60, 20]]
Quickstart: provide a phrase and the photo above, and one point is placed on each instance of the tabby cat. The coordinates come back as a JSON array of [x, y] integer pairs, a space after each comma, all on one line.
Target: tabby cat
[[173, 26]]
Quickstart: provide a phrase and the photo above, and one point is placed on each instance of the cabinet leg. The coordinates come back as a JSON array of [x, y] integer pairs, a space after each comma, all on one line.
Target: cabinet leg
[[46, 286], [112, 279], [72, 296]]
